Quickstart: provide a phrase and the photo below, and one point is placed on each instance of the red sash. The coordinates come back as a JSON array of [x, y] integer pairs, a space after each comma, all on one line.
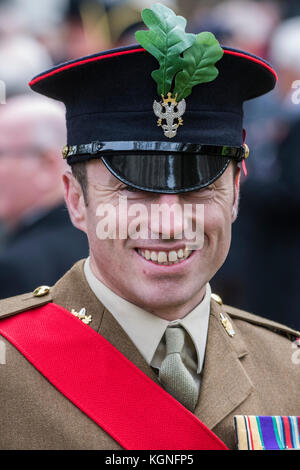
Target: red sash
[[104, 384]]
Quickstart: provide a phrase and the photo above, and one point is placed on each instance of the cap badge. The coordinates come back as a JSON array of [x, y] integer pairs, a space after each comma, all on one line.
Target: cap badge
[[185, 60], [169, 110]]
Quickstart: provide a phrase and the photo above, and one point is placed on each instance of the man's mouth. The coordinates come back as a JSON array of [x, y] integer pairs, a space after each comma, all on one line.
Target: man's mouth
[[165, 257]]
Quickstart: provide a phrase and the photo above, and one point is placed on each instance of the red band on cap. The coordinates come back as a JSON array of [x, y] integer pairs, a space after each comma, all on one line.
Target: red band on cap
[[244, 135], [81, 62], [254, 59], [133, 51]]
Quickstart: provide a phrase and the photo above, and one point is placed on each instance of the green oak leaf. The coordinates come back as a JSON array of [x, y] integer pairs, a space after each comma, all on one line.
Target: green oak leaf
[[165, 40], [198, 64]]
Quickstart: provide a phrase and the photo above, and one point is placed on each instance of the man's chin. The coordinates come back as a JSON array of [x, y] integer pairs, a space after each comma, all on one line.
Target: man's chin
[[155, 301]]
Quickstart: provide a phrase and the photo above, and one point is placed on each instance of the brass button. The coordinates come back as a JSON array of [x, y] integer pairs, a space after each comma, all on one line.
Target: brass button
[[40, 291], [217, 298], [247, 150], [65, 151]]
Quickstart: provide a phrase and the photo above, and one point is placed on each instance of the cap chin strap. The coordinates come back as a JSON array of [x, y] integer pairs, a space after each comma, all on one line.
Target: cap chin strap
[[96, 149]]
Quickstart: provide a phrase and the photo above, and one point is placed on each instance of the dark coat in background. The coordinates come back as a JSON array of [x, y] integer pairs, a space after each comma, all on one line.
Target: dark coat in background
[[261, 273], [40, 252]]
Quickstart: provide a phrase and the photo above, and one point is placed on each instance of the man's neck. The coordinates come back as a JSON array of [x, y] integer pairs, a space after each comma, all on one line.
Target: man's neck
[[177, 312]]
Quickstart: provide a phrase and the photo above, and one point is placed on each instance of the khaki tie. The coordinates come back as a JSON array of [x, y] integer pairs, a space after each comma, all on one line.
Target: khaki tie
[[173, 374]]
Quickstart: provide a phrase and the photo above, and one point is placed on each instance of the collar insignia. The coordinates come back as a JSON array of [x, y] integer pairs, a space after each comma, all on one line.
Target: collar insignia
[[82, 315], [227, 325]]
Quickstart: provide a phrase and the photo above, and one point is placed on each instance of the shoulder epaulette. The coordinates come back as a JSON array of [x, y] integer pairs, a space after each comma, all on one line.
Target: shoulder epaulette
[[20, 303], [264, 322]]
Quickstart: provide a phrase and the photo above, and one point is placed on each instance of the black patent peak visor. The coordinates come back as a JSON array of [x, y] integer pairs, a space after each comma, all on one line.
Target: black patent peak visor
[[171, 173], [182, 168]]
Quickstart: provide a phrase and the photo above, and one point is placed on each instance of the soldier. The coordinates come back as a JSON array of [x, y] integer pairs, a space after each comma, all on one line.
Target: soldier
[[131, 343]]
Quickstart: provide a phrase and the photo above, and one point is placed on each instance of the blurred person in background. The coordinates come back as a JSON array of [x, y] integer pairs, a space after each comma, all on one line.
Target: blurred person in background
[[20, 56], [285, 54], [58, 30], [93, 25], [40, 241], [21, 52], [245, 24]]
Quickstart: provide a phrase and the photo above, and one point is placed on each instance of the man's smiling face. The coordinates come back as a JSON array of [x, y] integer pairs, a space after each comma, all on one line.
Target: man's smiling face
[[156, 272]]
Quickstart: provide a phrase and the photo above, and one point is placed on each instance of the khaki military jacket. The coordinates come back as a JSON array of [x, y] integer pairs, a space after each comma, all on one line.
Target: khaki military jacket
[[256, 371]]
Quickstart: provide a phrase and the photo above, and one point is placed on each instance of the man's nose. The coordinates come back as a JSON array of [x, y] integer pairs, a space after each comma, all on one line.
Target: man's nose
[[167, 219]]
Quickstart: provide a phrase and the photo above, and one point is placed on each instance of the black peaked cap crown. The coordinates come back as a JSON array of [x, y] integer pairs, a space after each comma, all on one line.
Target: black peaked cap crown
[[109, 99]]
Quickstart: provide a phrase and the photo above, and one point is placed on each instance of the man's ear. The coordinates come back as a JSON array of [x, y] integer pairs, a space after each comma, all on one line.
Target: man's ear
[[235, 206], [75, 201]]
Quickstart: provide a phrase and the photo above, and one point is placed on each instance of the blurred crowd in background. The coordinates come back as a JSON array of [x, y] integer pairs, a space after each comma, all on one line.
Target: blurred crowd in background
[[37, 241]]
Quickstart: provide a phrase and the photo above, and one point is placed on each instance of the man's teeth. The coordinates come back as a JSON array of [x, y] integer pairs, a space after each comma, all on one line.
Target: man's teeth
[[165, 257]]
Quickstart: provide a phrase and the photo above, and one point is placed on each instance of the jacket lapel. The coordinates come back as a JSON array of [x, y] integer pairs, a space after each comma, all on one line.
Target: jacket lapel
[[112, 331], [225, 383], [73, 292]]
